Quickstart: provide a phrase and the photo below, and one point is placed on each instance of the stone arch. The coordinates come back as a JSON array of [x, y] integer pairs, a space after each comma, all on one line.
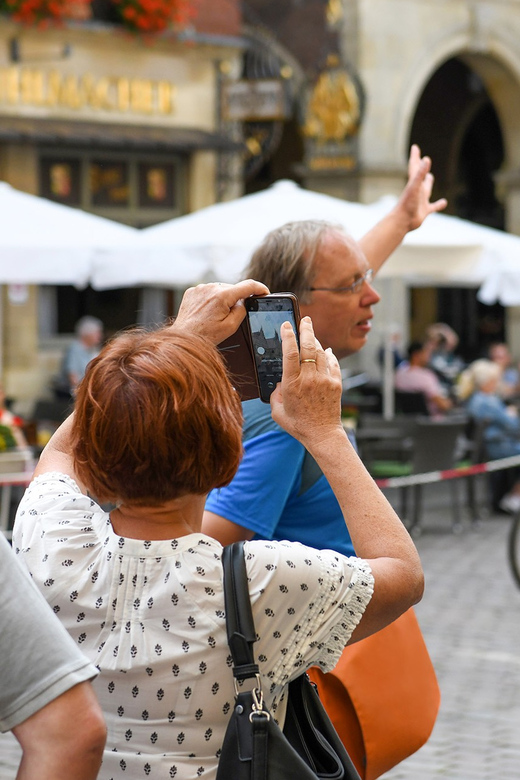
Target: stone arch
[[424, 67], [495, 108], [499, 69]]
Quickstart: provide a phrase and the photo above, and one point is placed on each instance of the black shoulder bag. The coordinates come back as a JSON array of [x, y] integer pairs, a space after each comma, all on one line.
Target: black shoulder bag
[[254, 747]]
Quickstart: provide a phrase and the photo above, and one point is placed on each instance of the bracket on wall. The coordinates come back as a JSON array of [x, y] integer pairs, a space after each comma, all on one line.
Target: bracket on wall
[[62, 52]]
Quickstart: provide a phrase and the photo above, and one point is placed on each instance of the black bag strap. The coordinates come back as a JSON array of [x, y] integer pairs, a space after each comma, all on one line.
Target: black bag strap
[[240, 625]]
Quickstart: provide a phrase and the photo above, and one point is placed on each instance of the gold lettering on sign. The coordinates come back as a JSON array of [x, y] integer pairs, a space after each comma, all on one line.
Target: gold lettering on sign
[[165, 93], [29, 87], [53, 89], [141, 96], [123, 94], [9, 85], [70, 95], [97, 93]]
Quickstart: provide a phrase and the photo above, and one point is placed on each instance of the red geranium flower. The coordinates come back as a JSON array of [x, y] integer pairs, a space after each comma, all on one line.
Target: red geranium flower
[[45, 12], [154, 16]]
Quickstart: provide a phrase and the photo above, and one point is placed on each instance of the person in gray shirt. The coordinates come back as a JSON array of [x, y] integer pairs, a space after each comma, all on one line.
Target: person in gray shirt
[[86, 345], [46, 698]]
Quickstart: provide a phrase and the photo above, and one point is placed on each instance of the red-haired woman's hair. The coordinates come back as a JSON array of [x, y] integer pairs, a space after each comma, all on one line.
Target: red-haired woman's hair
[[156, 418]]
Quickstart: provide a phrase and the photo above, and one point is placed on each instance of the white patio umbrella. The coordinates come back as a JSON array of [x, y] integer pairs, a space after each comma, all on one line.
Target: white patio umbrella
[[453, 251], [503, 284], [216, 243], [448, 249], [42, 242]]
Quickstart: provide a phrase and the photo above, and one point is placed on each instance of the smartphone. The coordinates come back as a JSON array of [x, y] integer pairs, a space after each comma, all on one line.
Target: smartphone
[[238, 356], [264, 317]]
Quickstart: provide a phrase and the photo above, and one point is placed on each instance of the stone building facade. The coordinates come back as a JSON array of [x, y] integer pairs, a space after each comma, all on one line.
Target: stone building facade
[[441, 73], [124, 126], [444, 74]]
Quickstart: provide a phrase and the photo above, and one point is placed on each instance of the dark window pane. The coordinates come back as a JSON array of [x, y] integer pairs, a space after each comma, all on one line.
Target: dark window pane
[[156, 185], [61, 180], [109, 184], [117, 309], [104, 11]]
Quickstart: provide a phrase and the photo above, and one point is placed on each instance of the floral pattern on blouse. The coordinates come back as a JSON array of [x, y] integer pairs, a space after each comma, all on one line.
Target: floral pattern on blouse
[[150, 615]]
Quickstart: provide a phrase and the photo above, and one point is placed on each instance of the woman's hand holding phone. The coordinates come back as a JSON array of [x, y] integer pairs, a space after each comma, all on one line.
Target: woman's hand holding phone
[[307, 402], [215, 310]]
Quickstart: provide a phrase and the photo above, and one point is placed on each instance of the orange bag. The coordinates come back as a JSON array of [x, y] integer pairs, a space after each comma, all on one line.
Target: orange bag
[[382, 697]]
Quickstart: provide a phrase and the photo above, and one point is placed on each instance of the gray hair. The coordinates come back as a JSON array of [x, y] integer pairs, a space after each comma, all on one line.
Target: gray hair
[[88, 324], [284, 260]]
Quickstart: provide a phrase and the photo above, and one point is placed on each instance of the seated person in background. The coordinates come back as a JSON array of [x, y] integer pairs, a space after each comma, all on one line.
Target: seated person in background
[[157, 424], [86, 345], [415, 376], [478, 388], [443, 341], [509, 383]]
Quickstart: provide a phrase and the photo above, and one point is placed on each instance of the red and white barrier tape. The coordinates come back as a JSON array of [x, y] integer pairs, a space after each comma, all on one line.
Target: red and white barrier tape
[[439, 476]]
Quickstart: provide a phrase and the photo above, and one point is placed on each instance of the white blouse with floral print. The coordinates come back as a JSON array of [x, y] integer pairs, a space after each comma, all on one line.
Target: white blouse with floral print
[[150, 615]]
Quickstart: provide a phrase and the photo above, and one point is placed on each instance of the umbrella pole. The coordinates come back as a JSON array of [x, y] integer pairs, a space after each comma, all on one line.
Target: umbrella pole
[[388, 377]]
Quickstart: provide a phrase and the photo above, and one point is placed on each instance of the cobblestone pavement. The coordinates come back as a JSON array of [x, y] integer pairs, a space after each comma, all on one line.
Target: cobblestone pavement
[[470, 616]]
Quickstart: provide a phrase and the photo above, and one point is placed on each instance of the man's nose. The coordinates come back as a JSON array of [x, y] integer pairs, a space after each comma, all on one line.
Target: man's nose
[[369, 295]]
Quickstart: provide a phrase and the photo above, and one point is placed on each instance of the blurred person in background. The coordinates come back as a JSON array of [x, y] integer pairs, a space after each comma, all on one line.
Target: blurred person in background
[[509, 384], [85, 347], [442, 341], [478, 387], [415, 376]]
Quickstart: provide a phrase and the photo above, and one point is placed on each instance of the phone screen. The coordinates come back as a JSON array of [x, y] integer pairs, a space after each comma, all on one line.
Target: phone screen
[[265, 317]]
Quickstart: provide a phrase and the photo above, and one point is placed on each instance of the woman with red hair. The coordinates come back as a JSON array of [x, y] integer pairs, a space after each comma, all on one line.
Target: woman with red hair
[[157, 425]]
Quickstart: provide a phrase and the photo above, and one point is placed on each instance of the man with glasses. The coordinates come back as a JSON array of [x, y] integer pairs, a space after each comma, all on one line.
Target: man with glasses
[[278, 492]]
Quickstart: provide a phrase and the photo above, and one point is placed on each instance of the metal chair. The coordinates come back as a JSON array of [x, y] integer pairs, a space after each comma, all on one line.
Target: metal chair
[[475, 452], [497, 483], [436, 448], [418, 445], [385, 447], [407, 402]]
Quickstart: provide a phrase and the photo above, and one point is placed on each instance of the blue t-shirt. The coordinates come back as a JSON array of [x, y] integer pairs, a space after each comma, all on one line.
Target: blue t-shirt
[[279, 491]]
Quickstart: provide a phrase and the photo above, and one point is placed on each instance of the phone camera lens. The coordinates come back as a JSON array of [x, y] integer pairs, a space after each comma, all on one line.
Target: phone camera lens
[[271, 385]]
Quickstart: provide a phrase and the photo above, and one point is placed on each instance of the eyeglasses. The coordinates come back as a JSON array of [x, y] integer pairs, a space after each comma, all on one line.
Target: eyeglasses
[[352, 288]]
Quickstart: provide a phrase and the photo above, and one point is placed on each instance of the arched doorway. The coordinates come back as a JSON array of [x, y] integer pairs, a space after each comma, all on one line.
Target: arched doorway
[[457, 124]]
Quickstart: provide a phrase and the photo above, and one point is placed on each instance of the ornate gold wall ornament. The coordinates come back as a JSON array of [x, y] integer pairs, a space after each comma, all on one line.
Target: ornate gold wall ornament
[[334, 108]]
